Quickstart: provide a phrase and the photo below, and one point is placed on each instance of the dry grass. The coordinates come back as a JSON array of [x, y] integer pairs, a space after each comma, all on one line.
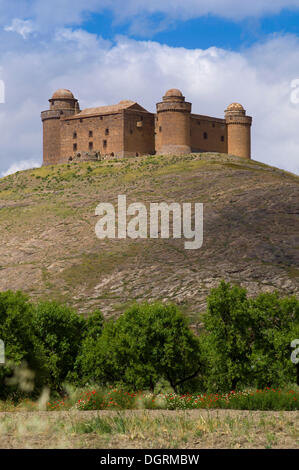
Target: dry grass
[[194, 429], [49, 248]]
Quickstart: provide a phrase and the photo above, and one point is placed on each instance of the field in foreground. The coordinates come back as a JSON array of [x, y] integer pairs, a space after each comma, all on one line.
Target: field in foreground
[[194, 429]]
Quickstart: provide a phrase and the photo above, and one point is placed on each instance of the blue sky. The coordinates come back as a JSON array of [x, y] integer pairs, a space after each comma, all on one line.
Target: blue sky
[[203, 32], [215, 51]]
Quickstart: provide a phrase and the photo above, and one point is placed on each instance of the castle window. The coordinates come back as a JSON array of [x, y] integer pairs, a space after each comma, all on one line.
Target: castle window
[[104, 143], [205, 135], [74, 147], [107, 132], [90, 145], [222, 138], [160, 128], [90, 133], [213, 124], [75, 135]]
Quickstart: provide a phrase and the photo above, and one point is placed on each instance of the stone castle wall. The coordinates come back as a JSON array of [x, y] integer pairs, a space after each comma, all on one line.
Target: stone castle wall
[[208, 134], [102, 134], [238, 135], [127, 129], [51, 138], [139, 133]]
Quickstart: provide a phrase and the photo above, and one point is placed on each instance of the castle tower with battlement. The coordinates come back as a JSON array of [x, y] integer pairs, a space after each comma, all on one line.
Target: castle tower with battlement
[[173, 121], [238, 131], [127, 129]]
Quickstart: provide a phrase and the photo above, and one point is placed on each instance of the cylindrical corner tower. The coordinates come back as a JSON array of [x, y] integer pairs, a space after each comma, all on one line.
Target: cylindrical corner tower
[[173, 124], [62, 104], [238, 131]]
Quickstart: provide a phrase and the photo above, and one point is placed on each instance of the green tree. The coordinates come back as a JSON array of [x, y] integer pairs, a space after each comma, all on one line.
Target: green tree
[[60, 331], [147, 343], [85, 361], [21, 344], [248, 340], [275, 323], [94, 325], [226, 346]]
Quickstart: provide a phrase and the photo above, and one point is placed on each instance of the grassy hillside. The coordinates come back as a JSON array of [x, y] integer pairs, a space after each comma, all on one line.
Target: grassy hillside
[[49, 247]]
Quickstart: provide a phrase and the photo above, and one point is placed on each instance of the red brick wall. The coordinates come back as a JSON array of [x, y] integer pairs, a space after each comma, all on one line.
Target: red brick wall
[[215, 130], [51, 139], [239, 140], [173, 132], [95, 130], [139, 133]]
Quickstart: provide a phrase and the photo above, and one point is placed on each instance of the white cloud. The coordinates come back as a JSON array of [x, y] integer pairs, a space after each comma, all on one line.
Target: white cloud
[[101, 73], [80, 39], [66, 12], [19, 166], [178, 9], [22, 27]]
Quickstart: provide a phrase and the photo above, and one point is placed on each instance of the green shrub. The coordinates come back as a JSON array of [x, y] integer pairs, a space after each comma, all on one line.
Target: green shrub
[[86, 354], [275, 324], [94, 325], [21, 344], [98, 399], [147, 343], [263, 400], [60, 331], [226, 346], [248, 340], [117, 399]]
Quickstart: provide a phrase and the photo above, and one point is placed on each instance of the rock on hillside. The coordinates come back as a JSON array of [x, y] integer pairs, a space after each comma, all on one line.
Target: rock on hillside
[[49, 248]]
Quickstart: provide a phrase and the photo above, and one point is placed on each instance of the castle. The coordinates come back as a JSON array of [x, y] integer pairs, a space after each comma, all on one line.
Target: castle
[[127, 129]]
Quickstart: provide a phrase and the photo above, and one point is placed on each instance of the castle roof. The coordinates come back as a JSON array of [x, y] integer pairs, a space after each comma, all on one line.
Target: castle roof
[[62, 93], [112, 109], [235, 107], [174, 92]]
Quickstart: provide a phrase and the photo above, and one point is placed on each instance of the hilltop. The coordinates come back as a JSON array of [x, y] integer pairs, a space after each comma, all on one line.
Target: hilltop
[[49, 248]]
